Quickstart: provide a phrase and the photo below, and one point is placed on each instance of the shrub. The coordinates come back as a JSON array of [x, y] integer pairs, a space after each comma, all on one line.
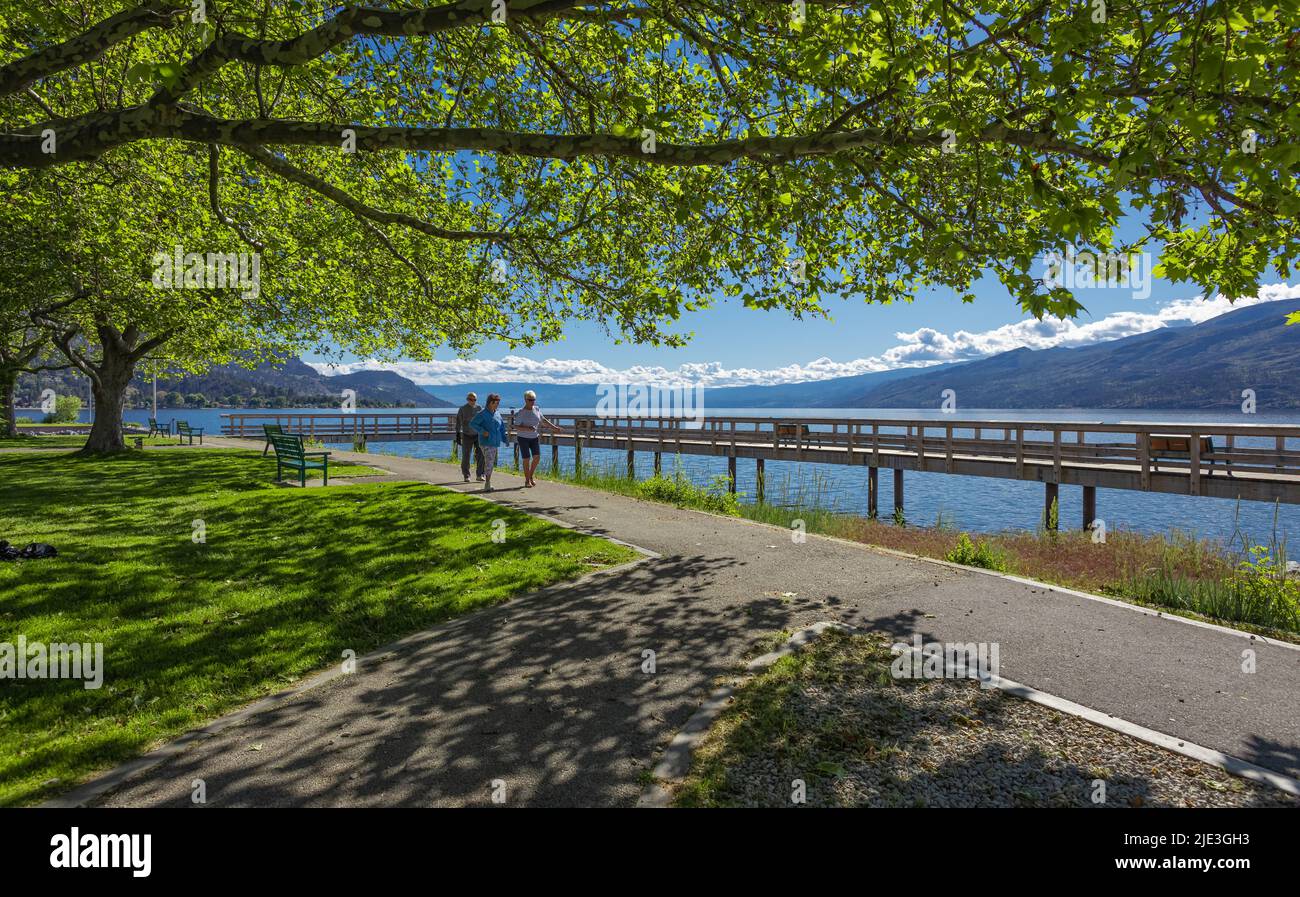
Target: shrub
[[1257, 590], [1263, 591], [679, 490], [66, 410], [971, 554]]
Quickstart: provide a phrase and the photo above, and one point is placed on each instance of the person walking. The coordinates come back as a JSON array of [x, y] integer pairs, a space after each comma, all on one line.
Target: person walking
[[467, 439], [491, 432], [528, 429]]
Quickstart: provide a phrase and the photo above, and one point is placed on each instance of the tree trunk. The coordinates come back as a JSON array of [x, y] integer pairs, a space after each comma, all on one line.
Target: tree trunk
[[109, 390], [8, 415]]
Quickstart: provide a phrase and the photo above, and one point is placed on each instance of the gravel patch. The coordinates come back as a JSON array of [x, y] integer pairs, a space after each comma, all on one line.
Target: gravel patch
[[834, 718]]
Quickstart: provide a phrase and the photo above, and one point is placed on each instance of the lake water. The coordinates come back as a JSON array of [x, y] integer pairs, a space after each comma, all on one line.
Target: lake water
[[972, 503]]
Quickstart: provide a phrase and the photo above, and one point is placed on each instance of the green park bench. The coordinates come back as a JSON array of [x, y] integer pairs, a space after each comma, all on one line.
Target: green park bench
[[271, 430], [157, 429], [289, 453], [184, 430]]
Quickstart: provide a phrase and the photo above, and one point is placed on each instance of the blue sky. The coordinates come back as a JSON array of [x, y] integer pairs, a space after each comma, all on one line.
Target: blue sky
[[738, 346], [735, 336], [735, 346]]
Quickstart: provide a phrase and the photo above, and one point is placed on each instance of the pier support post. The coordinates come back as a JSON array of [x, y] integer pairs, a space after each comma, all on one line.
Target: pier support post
[[631, 464], [731, 474], [658, 463], [1089, 506], [1051, 502], [555, 457], [898, 492], [873, 492], [760, 476], [516, 455], [577, 455]]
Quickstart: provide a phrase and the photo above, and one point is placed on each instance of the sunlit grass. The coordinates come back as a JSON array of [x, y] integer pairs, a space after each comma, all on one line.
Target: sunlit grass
[[74, 441], [286, 580]]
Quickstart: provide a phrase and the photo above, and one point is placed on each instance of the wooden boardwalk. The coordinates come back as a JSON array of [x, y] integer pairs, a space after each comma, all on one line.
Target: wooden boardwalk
[[1255, 462]]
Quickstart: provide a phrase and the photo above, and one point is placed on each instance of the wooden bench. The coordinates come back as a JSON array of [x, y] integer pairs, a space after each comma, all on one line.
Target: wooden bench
[[1177, 447], [271, 430], [184, 430], [799, 432], [289, 453], [157, 429]]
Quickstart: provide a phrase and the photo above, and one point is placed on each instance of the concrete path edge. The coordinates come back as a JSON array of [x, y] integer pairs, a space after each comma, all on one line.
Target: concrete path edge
[[675, 763], [101, 785]]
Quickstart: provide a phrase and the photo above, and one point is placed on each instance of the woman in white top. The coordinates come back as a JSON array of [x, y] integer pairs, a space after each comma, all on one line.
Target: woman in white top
[[528, 428]]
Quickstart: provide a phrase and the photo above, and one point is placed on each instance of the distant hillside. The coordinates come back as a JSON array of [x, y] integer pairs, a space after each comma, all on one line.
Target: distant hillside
[[1204, 367], [286, 384], [834, 393], [838, 392]]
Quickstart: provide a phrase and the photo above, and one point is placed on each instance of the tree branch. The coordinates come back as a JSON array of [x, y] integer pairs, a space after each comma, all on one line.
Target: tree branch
[[350, 22], [89, 136], [89, 45], [214, 175], [291, 172]]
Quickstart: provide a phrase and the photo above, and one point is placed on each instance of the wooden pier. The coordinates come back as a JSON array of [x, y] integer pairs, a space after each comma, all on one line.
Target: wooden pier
[[1254, 462]]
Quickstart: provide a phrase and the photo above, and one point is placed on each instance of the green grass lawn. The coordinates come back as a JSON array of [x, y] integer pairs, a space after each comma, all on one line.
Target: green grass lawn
[[337, 468], [25, 440], [285, 582]]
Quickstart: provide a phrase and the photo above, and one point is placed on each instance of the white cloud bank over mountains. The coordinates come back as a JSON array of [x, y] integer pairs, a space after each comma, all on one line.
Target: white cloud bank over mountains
[[919, 348]]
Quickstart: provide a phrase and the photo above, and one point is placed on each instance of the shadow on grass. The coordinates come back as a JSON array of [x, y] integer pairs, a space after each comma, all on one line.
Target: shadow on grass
[[281, 583], [835, 717], [542, 694]]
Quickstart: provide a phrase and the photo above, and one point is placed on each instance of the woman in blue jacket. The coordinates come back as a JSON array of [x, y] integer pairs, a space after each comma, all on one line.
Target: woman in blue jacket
[[491, 430]]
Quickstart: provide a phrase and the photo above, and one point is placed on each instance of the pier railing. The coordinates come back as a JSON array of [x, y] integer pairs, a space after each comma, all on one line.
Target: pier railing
[[344, 426], [1239, 448], [1261, 461]]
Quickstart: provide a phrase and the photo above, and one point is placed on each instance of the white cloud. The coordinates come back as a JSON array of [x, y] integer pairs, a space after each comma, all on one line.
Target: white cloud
[[919, 348]]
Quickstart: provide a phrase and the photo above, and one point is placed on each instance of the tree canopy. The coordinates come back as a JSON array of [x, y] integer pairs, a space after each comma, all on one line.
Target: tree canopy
[[526, 162]]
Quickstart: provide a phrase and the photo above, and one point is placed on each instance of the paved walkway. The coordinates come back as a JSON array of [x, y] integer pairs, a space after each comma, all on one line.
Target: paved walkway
[[546, 693]]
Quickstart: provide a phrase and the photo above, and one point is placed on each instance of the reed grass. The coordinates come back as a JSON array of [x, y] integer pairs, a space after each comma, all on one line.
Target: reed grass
[[1236, 582]]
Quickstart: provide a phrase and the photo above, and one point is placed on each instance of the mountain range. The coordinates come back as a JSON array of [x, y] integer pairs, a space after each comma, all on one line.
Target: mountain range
[[1202, 367], [836, 393], [286, 383]]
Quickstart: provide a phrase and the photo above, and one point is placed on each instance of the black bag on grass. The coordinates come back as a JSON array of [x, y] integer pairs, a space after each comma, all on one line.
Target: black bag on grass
[[33, 551]]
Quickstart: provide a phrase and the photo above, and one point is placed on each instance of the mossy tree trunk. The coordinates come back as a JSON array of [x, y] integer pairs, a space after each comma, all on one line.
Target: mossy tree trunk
[[21, 345], [110, 375], [108, 386], [8, 413]]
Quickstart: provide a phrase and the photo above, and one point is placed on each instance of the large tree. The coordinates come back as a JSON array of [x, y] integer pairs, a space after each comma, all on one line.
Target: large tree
[[32, 285], [25, 347], [92, 239], [625, 161]]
